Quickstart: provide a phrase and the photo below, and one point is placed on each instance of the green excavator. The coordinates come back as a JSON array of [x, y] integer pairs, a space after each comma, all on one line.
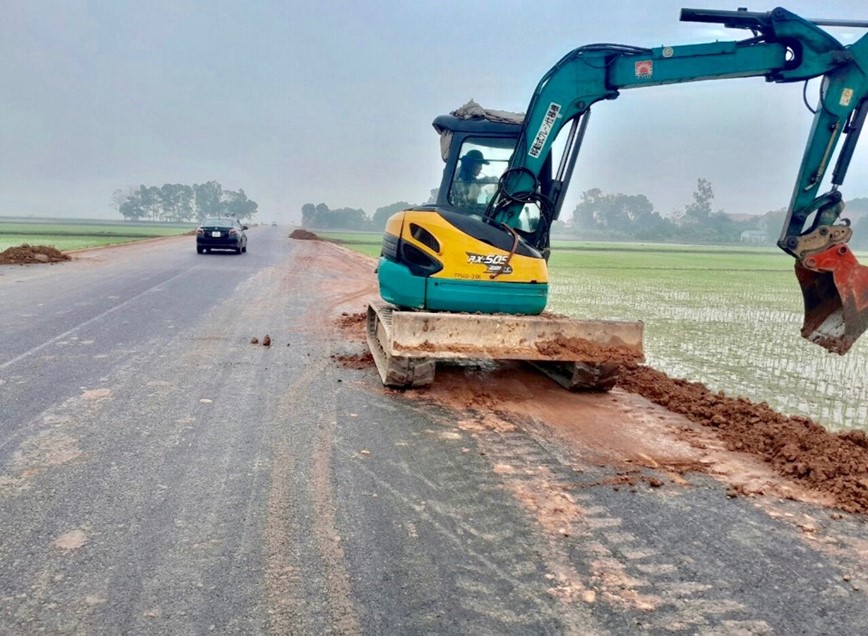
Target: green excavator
[[467, 276]]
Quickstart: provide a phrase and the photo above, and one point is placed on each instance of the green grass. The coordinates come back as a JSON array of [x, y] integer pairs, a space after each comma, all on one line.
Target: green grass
[[666, 257], [72, 235], [728, 317], [368, 243]]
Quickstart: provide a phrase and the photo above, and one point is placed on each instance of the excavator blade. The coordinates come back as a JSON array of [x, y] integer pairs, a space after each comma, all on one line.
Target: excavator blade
[[578, 354], [835, 289]]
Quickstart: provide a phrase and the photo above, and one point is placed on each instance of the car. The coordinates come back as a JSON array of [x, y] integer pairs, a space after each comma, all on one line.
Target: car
[[221, 234]]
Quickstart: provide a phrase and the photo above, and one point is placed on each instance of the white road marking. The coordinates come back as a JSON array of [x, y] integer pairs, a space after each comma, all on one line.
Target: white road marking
[[42, 346]]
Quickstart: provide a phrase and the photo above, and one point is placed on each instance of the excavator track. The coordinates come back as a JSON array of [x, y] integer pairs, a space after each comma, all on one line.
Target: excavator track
[[395, 370], [581, 355], [581, 376]]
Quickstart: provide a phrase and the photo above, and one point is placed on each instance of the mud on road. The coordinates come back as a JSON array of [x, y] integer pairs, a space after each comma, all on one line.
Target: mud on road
[[816, 464], [802, 459]]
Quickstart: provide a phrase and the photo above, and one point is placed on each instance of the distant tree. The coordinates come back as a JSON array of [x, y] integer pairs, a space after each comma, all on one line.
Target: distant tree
[[618, 215], [170, 198], [176, 202], [132, 207], [209, 199], [586, 215], [186, 203], [378, 222], [308, 215], [700, 208], [152, 201], [118, 198], [237, 205], [320, 216], [349, 219]]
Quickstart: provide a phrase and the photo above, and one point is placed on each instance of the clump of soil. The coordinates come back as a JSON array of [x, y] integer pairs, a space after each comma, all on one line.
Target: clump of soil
[[26, 254], [348, 321], [305, 235], [796, 447], [582, 350], [355, 361]]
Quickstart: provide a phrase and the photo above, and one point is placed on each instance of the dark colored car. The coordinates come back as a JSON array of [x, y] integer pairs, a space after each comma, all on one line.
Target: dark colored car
[[221, 234]]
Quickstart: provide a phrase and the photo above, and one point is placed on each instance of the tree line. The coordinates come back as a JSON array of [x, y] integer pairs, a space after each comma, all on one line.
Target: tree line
[[622, 217], [322, 218], [632, 217], [178, 203]]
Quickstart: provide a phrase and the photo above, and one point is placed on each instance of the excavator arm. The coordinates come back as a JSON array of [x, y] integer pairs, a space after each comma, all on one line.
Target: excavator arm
[[783, 48]]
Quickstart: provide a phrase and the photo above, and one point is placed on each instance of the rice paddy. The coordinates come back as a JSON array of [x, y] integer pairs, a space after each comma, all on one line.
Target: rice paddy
[[731, 324], [67, 235]]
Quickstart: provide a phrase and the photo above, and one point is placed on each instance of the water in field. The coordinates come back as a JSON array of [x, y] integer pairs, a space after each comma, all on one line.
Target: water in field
[[728, 319]]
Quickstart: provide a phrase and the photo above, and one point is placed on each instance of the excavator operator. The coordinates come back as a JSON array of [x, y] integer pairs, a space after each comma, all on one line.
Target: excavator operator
[[464, 193]]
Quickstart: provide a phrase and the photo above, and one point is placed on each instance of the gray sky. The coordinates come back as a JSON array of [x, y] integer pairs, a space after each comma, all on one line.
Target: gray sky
[[332, 101]]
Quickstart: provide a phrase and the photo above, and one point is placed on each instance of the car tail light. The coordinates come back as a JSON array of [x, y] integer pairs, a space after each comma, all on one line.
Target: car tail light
[[200, 231], [232, 233]]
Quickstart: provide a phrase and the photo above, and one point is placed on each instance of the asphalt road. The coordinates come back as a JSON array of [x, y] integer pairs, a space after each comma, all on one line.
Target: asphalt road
[[161, 474]]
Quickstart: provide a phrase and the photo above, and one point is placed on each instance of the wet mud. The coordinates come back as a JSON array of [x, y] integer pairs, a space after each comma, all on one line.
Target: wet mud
[[815, 464]]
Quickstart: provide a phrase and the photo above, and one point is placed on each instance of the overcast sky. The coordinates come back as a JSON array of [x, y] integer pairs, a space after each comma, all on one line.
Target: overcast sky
[[332, 102]]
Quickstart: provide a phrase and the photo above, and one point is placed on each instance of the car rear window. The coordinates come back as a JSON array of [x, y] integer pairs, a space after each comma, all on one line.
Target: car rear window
[[218, 223]]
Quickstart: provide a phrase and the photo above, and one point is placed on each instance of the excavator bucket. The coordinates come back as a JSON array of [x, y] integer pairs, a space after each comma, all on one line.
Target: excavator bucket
[[835, 289]]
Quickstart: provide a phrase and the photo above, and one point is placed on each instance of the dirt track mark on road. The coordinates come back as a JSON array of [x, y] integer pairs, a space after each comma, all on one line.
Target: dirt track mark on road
[[286, 590]]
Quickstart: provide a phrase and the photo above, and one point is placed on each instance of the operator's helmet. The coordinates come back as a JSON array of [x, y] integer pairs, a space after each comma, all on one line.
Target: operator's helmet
[[472, 157]]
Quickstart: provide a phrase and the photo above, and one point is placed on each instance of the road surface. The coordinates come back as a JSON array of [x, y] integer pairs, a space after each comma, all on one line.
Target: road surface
[[162, 474]]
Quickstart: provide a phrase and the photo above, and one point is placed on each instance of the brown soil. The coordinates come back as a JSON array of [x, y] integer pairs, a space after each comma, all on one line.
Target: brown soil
[[355, 361], [797, 447], [650, 420], [350, 321], [583, 350], [304, 235], [27, 254]]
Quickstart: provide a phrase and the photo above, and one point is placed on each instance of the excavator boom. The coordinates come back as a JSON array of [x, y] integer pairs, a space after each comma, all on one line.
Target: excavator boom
[[785, 48]]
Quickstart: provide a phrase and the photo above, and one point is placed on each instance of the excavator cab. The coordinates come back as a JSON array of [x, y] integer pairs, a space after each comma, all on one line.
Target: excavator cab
[[492, 134], [461, 139]]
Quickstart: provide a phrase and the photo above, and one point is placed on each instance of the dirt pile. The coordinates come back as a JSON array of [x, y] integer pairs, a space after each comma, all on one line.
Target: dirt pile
[[304, 235], [796, 447], [26, 254]]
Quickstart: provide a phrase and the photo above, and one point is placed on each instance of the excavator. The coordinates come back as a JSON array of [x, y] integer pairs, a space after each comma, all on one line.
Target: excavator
[[466, 276]]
